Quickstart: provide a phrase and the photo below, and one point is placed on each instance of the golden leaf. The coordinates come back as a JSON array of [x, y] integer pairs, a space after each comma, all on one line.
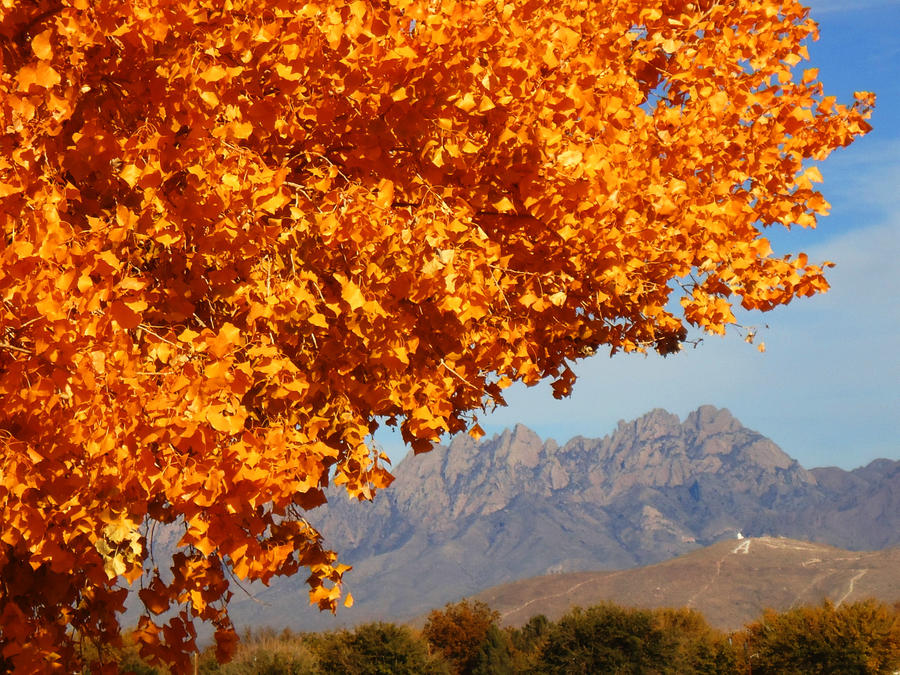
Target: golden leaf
[[569, 157], [41, 45], [467, 102], [350, 292], [130, 174], [214, 74], [385, 194], [114, 566]]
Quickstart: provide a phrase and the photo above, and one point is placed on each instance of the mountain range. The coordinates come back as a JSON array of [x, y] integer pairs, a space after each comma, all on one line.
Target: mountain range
[[472, 515]]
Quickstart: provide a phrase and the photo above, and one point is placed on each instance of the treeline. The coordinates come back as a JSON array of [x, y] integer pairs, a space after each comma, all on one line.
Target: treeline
[[466, 638]]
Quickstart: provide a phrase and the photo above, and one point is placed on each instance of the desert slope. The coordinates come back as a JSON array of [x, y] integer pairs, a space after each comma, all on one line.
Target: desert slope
[[730, 582]]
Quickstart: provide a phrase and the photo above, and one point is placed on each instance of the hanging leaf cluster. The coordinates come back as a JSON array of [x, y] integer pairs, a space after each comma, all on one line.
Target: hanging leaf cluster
[[237, 236]]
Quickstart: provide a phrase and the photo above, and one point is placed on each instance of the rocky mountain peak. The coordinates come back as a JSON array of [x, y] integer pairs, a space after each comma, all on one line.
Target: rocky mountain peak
[[520, 445], [657, 422], [710, 419]]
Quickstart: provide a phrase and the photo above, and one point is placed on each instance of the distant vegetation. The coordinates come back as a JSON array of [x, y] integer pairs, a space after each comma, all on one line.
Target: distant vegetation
[[465, 638]]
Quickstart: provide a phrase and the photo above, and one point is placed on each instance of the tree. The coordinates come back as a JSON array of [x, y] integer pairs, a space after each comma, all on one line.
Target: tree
[[527, 642], [690, 645], [602, 639], [377, 649], [861, 637], [494, 654], [458, 632], [238, 237]]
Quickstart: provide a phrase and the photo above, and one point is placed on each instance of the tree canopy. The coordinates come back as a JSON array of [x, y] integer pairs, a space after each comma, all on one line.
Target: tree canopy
[[238, 236], [859, 637], [459, 631]]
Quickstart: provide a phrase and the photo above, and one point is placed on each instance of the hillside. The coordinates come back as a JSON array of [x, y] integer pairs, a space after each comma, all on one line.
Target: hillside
[[731, 582], [473, 515]]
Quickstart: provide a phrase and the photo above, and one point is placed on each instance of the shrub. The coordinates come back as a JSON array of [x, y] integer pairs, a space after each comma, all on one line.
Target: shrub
[[377, 649]]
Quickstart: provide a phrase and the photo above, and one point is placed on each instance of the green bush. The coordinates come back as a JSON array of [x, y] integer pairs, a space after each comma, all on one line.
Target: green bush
[[494, 656], [602, 639], [526, 643], [376, 649]]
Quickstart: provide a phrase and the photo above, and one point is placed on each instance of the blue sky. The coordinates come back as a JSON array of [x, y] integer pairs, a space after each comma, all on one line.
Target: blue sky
[[826, 389]]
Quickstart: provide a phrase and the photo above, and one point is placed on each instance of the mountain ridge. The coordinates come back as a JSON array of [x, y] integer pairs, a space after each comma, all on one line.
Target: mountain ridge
[[471, 515]]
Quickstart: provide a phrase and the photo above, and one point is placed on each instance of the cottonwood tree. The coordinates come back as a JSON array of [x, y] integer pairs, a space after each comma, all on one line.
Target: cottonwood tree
[[458, 632], [603, 639], [859, 637], [237, 236]]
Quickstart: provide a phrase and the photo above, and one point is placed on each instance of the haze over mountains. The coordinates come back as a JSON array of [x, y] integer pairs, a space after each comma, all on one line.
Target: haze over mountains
[[473, 515]]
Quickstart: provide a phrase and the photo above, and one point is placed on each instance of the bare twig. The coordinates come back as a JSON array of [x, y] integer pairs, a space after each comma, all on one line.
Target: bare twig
[[444, 363], [14, 348]]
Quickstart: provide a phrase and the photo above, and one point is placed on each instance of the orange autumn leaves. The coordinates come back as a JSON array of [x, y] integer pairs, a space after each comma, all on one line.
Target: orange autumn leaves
[[239, 237]]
